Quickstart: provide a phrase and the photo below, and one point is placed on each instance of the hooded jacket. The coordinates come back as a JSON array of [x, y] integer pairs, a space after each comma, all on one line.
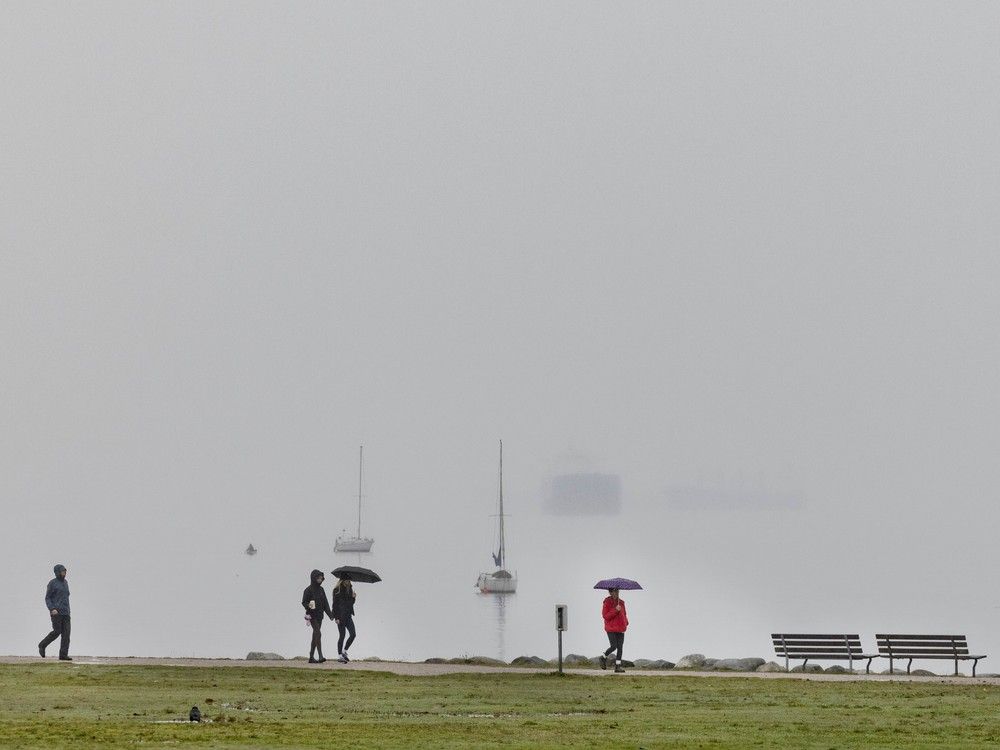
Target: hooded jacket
[[314, 592], [57, 593], [614, 621]]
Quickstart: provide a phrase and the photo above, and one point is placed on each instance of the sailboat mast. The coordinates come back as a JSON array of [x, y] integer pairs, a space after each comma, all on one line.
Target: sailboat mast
[[501, 507], [361, 462]]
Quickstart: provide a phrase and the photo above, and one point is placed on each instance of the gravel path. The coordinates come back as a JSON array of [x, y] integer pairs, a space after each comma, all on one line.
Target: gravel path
[[420, 669]]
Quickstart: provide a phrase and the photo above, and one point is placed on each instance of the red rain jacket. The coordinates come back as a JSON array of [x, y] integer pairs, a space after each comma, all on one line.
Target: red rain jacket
[[614, 622]]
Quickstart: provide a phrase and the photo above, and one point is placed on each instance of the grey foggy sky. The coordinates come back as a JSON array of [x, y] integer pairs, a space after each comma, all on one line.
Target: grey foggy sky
[[707, 244]]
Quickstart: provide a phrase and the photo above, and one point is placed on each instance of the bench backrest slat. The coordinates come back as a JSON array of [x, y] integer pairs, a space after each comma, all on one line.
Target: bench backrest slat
[[908, 645], [817, 645]]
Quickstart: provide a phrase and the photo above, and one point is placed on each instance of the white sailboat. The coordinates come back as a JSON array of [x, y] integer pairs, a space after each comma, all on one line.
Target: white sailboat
[[500, 581], [356, 543]]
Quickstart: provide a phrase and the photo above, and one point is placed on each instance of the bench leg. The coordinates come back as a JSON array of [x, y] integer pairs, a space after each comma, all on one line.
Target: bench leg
[[908, 665], [956, 667], [891, 670], [974, 663], [868, 667], [804, 666]]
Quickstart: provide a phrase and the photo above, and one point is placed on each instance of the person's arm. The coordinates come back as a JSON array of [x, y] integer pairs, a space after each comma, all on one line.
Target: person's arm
[[50, 603], [305, 599], [608, 611]]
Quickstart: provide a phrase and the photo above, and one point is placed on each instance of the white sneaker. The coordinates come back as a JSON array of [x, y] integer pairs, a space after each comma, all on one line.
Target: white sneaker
[[342, 658], [345, 657]]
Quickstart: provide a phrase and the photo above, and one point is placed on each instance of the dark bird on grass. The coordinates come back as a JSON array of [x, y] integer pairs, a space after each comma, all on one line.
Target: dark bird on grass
[[195, 714]]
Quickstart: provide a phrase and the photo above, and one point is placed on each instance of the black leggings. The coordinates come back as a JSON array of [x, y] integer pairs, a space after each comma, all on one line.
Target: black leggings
[[317, 639], [345, 626], [617, 642]]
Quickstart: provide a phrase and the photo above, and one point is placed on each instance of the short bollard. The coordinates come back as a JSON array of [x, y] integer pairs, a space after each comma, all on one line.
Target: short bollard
[[562, 623]]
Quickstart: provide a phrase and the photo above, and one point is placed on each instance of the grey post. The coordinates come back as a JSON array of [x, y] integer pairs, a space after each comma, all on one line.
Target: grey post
[[562, 623]]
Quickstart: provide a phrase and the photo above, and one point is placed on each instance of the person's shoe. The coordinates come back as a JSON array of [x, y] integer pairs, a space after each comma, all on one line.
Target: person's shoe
[[321, 660], [345, 657], [313, 661], [604, 661], [342, 658], [619, 669], [65, 658], [41, 650]]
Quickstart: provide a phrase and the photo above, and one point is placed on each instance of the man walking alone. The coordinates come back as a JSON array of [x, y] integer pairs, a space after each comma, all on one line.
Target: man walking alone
[[57, 602]]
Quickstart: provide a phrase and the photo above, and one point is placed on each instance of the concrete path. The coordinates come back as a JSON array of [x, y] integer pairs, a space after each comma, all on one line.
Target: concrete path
[[421, 669]]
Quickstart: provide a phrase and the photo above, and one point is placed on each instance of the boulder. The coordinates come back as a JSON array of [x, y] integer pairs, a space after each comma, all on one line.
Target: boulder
[[837, 669], [748, 664], [529, 661], [483, 661], [709, 662], [691, 661], [653, 664], [922, 673], [578, 660], [770, 666], [264, 656], [809, 668], [435, 660]]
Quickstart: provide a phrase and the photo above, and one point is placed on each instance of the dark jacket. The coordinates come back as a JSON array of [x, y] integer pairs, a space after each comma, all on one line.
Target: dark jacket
[[343, 604], [57, 593], [314, 592]]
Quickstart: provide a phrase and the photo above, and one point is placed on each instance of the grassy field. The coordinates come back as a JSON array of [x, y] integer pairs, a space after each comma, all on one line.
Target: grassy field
[[63, 706]]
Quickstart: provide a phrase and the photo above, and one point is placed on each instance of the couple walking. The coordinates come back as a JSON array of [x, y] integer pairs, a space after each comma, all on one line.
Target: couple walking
[[341, 612]]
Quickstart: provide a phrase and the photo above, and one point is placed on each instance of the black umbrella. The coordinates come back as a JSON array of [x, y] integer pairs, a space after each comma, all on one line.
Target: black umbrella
[[354, 573]]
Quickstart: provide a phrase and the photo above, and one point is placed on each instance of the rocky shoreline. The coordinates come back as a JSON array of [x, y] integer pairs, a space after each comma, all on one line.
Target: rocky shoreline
[[689, 662]]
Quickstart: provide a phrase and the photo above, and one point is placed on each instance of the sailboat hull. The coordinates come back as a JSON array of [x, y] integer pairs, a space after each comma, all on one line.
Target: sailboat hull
[[491, 583], [354, 544]]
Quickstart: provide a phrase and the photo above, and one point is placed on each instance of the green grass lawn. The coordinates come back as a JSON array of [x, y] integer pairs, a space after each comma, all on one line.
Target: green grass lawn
[[69, 706]]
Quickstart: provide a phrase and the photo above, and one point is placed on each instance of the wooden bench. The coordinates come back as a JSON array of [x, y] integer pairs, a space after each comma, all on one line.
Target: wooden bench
[[905, 646], [820, 646]]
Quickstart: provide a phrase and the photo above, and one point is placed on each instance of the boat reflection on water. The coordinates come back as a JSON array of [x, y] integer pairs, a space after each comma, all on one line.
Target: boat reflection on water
[[501, 621]]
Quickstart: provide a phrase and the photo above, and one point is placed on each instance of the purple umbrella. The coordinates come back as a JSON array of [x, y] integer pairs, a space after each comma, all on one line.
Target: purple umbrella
[[624, 584]]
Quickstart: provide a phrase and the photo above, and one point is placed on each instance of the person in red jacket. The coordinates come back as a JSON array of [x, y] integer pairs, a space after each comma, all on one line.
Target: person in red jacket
[[615, 624]]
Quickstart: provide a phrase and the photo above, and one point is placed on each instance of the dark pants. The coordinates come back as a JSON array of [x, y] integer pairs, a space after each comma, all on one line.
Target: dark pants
[[617, 642], [317, 639], [60, 627], [345, 626]]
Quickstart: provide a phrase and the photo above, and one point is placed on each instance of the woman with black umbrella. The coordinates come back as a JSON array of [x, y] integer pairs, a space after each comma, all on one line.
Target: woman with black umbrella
[[316, 604], [343, 614]]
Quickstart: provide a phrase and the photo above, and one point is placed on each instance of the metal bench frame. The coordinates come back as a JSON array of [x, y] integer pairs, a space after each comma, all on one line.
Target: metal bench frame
[[832, 646], [894, 646]]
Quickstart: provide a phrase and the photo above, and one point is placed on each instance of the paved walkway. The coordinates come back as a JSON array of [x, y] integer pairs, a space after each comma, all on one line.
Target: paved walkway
[[421, 669]]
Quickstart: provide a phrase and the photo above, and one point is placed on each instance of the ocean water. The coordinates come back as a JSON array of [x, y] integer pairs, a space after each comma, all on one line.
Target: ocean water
[[716, 582]]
